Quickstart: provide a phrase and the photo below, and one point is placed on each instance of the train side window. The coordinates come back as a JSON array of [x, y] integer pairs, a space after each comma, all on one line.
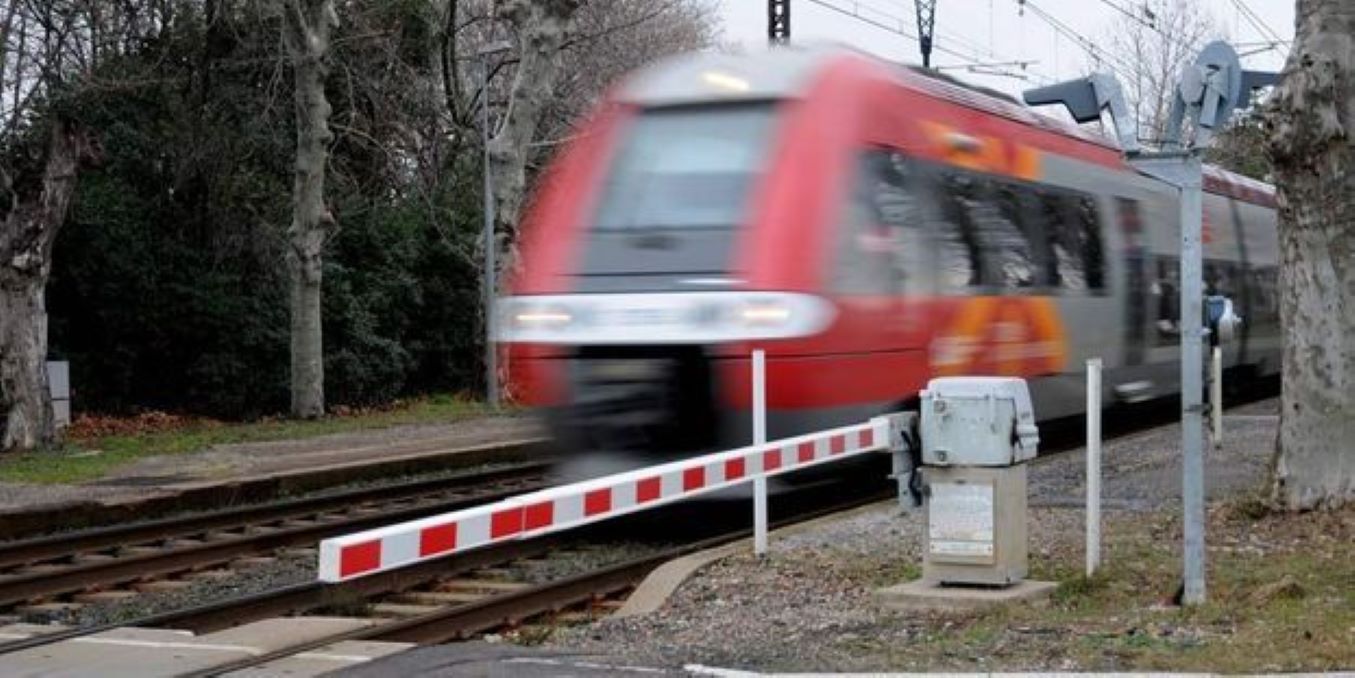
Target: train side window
[[961, 263], [881, 238], [1066, 269], [1165, 290], [1073, 231], [981, 235], [1263, 302], [1004, 238], [1089, 242]]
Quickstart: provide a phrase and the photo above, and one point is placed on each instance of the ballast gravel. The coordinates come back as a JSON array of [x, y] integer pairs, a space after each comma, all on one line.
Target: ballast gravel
[[292, 568], [285, 571], [809, 606]]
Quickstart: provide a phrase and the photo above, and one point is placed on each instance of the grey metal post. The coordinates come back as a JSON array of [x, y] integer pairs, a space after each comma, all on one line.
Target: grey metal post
[[1192, 368], [491, 355]]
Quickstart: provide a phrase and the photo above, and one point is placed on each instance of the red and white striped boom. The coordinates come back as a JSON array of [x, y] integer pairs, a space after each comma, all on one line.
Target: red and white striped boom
[[568, 506]]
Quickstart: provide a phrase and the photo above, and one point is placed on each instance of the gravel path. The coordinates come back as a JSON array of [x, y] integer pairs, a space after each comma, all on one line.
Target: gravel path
[[810, 608], [156, 476], [243, 459], [23, 496]]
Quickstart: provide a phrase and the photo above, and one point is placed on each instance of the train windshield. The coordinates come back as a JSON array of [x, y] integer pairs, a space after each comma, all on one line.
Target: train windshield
[[687, 167]]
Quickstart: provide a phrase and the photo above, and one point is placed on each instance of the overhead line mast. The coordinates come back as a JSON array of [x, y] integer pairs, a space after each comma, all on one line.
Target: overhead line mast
[[926, 28], [778, 22]]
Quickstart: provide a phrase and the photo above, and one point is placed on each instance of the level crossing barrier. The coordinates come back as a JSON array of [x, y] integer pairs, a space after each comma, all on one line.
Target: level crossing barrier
[[565, 507]]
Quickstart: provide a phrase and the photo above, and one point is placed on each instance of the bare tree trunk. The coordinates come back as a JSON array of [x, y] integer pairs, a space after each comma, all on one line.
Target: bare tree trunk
[[27, 236], [23, 351], [1312, 133], [541, 27], [307, 25]]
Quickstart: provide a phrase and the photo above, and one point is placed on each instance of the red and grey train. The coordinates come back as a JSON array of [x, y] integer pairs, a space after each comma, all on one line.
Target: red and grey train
[[868, 225]]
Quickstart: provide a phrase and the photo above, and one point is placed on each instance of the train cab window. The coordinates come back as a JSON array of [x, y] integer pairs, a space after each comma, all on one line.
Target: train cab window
[[881, 243], [686, 167], [983, 241]]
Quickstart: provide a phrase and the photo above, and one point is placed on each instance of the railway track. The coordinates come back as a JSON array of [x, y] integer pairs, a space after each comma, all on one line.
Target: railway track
[[134, 555], [453, 598]]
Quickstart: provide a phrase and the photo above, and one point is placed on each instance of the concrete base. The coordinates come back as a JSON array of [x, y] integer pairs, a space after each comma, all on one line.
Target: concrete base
[[925, 595]]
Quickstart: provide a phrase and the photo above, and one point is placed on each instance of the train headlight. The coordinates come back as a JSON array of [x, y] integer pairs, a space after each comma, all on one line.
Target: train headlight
[[523, 316], [662, 318], [765, 313], [544, 318]]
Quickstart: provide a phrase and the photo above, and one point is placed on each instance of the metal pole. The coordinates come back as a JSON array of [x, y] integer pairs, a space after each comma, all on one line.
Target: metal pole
[[1093, 465], [778, 22], [1216, 395], [491, 357], [1192, 369], [759, 437]]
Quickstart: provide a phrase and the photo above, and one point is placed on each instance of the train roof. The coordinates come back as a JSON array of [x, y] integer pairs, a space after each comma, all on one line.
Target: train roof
[[787, 72], [1238, 186]]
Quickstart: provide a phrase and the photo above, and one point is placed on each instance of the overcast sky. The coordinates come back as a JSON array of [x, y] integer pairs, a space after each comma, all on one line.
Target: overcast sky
[[997, 31]]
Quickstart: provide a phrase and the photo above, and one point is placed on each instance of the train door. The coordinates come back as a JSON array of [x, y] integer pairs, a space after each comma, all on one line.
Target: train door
[[1224, 271], [1136, 258]]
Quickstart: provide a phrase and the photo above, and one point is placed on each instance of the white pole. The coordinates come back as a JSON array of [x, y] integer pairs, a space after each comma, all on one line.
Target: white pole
[[759, 437], [1093, 465], [1216, 394]]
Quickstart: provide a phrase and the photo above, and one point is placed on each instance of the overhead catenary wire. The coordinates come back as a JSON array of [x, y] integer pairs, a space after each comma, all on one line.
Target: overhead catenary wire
[[1099, 56], [896, 24], [1259, 24], [1129, 13]]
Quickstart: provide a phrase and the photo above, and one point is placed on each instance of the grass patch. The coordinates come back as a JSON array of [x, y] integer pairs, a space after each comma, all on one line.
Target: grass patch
[[89, 457], [1080, 588], [1281, 597]]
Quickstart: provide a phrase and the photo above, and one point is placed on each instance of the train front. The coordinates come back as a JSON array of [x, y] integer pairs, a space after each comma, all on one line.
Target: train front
[[684, 227]]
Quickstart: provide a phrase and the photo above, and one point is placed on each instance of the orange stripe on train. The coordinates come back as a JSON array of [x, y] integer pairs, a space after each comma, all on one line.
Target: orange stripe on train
[[983, 153], [1002, 335]]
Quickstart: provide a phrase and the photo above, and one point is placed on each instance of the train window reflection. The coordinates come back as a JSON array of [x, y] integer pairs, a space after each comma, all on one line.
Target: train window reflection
[[1088, 234], [1073, 229], [959, 246], [981, 235], [1005, 240], [881, 244], [686, 168]]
